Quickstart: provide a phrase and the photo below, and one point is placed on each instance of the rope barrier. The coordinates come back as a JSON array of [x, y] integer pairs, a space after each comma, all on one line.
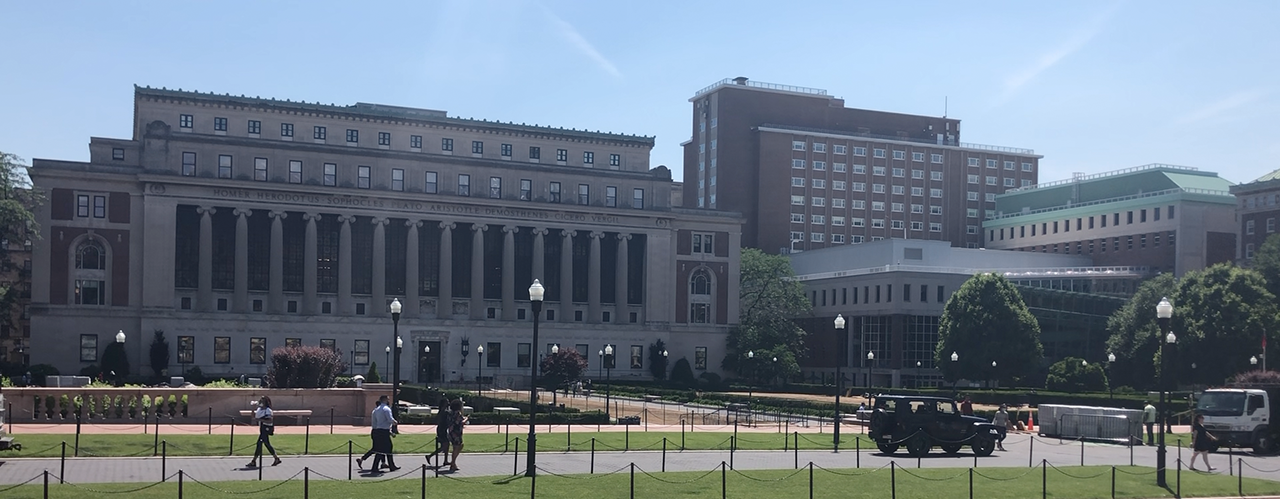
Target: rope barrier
[[868, 472], [744, 475], [42, 451], [129, 491], [29, 480], [1246, 463], [1025, 473], [210, 487], [677, 482], [908, 471], [1121, 470], [1059, 470], [587, 477]]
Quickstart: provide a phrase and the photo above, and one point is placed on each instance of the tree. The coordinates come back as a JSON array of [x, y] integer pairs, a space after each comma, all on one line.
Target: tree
[[159, 353], [985, 321], [682, 373], [562, 367], [1267, 262], [17, 224], [770, 302], [304, 366], [657, 361], [372, 376], [1073, 375], [115, 363], [1135, 334], [1220, 315]]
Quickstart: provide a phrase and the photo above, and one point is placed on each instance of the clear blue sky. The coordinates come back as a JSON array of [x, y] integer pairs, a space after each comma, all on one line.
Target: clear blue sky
[[1091, 86]]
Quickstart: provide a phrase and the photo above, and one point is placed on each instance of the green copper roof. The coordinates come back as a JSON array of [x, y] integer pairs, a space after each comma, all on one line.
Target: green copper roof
[[1111, 185], [1270, 176]]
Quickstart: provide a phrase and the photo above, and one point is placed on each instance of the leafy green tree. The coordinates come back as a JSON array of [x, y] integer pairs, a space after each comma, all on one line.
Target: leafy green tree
[[1074, 375], [985, 321], [115, 363], [1220, 316], [682, 373], [1135, 333], [372, 376], [770, 302], [159, 353], [306, 366], [17, 224], [561, 368], [1267, 262], [657, 361]]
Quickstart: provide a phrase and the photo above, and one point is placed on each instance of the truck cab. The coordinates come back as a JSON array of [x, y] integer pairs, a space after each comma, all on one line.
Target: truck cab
[[1239, 417]]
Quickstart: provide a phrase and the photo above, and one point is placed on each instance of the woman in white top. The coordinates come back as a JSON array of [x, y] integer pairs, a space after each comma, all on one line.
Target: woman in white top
[[265, 429]]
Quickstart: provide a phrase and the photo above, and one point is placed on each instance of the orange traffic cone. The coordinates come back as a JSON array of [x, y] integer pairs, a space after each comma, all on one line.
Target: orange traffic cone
[[1031, 421]]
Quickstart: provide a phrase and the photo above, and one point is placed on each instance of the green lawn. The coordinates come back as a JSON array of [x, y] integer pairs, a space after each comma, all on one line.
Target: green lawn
[[995, 483], [106, 445]]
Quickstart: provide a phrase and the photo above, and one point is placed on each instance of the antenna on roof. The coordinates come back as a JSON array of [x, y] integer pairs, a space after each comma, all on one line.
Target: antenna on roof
[[944, 106]]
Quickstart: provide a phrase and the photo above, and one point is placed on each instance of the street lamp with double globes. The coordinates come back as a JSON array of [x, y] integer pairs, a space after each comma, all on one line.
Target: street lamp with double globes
[[395, 370], [536, 293], [1164, 312], [479, 369], [840, 322]]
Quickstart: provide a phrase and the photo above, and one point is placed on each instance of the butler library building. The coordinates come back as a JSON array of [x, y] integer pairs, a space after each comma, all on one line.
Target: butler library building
[[238, 225]]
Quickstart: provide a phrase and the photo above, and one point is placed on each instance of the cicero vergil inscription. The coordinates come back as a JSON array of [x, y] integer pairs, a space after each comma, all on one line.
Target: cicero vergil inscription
[[363, 202]]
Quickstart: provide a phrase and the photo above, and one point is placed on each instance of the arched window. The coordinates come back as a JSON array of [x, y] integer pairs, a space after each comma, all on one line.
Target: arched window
[[700, 283], [89, 279], [700, 297], [91, 256]]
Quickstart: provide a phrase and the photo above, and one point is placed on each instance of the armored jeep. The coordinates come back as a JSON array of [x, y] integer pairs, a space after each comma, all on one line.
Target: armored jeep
[[920, 423]]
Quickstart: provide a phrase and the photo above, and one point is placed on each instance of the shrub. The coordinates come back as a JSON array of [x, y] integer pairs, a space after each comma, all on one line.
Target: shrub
[[306, 366], [1256, 377], [224, 383], [115, 363], [682, 374], [344, 382], [713, 380], [40, 371], [1072, 375], [194, 376], [159, 353], [372, 375], [91, 370]]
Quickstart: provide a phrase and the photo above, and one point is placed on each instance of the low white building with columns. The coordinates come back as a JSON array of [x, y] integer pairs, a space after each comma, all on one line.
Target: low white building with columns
[[238, 225]]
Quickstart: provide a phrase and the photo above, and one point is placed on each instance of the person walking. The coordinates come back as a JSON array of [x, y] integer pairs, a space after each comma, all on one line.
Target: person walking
[[444, 419], [1001, 419], [266, 428], [966, 406], [456, 422], [383, 421], [1149, 419], [1202, 443]]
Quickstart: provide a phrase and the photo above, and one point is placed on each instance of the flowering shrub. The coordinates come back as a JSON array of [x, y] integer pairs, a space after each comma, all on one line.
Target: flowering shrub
[[304, 367]]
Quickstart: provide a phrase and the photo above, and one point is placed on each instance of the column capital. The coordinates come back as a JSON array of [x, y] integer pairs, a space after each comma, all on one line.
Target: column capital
[[311, 216], [206, 210], [539, 231], [381, 221], [510, 229], [413, 223], [623, 236], [346, 219], [568, 233], [595, 234], [242, 212], [479, 226], [448, 225], [278, 214]]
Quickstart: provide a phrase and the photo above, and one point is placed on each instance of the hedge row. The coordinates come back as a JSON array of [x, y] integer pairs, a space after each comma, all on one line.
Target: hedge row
[[593, 417]]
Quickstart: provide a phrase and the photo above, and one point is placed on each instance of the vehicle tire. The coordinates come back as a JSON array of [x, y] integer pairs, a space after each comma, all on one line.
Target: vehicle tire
[[983, 445], [951, 449], [918, 445], [1262, 441], [888, 449]]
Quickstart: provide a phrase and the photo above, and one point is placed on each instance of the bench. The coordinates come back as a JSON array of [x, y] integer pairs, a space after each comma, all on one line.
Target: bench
[[296, 414], [506, 410], [651, 398]]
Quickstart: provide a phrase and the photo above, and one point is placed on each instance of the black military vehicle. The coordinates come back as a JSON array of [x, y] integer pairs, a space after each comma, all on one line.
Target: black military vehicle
[[920, 423]]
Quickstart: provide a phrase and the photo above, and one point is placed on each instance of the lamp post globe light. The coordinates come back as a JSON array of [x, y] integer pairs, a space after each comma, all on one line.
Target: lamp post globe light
[[120, 339], [1111, 359], [479, 369], [993, 376], [608, 380], [751, 354], [425, 349], [536, 293], [386, 364], [955, 361], [1164, 312], [839, 323], [395, 369]]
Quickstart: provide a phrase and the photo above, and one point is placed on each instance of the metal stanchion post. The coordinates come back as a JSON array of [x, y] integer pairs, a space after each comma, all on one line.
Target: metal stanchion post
[[62, 468], [306, 443], [164, 460], [231, 442], [349, 458]]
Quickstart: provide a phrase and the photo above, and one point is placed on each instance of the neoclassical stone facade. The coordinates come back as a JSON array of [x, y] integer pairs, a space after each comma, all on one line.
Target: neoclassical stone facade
[[221, 226]]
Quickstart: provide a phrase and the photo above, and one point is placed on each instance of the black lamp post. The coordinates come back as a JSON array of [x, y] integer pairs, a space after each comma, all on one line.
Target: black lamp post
[[120, 339], [955, 361], [751, 386], [608, 380], [536, 293], [835, 439], [1111, 359], [386, 364], [1164, 312], [871, 360], [422, 369], [479, 369], [395, 369], [993, 376], [555, 390]]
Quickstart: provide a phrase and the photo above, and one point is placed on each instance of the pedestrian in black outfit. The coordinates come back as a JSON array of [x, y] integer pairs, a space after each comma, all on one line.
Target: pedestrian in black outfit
[[444, 418], [266, 428], [383, 424]]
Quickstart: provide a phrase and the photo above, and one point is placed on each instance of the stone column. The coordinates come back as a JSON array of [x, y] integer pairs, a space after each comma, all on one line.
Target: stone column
[[509, 272], [204, 291], [275, 300], [344, 265], [621, 316], [411, 269], [310, 305], [379, 305], [444, 304], [735, 275], [241, 294], [477, 270], [539, 255], [566, 276], [593, 279]]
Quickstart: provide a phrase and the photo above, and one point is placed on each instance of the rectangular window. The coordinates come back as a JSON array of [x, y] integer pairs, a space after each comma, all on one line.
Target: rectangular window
[[319, 133], [797, 163], [257, 350], [819, 183], [446, 145], [260, 169], [703, 243], [584, 194], [535, 152], [117, 154], [555, 192], [900, 155], [224, 166], [397, 179], [188, 164], [353, 136], [329, 344], [221, 349], [935, 193], [1008, 182], [1026, 167], [615, 160], [859, 151], [917, 174], [88, 348], [360, 353], [477, 147], [293, 342], [562, 155], [991, 163], [506, 150], [588, 158], [186, 349], [384, 138], [464, 184], [1008, 165], [295, 171], [363, 174], [526, 189], [817, 146], [524, 354], [797, 200], [415, 141], [797, 145], [611, 196], [185, 121], [818, 219], [495, 187], [255, 127], [433, 184], [899, 172], [286, 129], [817, 165], [819, 201], [917, 156], [838, 185], [1248, 227], [219, 124]]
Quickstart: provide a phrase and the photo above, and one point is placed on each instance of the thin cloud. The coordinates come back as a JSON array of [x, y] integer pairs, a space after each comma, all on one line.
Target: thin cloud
[[579, 42], [1052, 57], [1217, 108]]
